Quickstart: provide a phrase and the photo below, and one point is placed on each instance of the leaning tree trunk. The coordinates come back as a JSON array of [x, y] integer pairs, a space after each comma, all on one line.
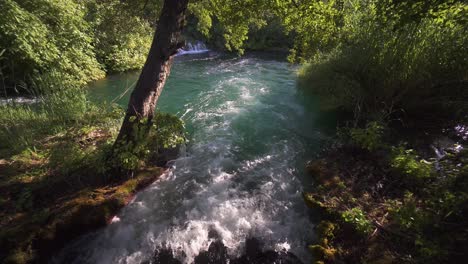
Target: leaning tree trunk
[[166, 42]]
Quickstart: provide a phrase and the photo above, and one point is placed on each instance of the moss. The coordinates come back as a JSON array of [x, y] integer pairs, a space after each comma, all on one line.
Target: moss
[[323, 253], [390, 205], [19, 256], [357, 218], [316, 167], [85, 211], [312, 202], [52, 209], [326, 229]]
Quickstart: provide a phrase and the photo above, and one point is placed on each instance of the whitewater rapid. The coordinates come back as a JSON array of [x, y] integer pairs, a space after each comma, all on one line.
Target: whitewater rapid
[[241, 174]]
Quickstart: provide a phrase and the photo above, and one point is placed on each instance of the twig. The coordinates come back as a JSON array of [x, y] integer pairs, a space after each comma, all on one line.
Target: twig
[[377, 228]]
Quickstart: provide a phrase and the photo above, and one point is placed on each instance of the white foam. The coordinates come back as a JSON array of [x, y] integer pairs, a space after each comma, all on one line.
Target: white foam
[[18, 100], [213, 187], [193, 48]]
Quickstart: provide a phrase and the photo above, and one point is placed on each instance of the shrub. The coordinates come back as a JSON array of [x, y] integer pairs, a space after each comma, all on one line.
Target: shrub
[[408, 214], [45, 39], [23, 125], [358, 220], [369, 138], [380, 66], [406, 162], [122, 38], [167, 132]]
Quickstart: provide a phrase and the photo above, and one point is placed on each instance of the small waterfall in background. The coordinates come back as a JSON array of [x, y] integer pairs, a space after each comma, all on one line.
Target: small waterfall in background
[[18, 100], [193, 48]]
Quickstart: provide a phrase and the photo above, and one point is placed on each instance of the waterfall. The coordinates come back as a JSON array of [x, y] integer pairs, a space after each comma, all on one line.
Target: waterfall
[[18, 100], [193, 48]]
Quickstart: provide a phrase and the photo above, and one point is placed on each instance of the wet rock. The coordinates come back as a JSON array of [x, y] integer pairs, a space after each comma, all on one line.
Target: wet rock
[[165, 155], [317, 168], [164, 256], [254, 255], [216, 254]]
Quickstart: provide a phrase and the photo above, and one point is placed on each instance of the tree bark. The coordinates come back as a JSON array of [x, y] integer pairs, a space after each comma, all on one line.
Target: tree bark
[[166, 42]]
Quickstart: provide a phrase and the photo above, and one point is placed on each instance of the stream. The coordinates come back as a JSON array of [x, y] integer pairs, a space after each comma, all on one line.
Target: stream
[[241, 175]]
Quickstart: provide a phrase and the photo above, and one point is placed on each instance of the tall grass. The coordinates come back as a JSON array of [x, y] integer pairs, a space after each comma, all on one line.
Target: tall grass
[[26, 125], [380, 69]]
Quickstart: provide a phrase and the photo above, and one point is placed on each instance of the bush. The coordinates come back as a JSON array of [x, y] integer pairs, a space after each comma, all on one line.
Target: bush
[[358, 220], [44, 39], [408, 214], [25, 126], [369, 138], [407, 163], [167, 132], [122, 38], [380, 66]]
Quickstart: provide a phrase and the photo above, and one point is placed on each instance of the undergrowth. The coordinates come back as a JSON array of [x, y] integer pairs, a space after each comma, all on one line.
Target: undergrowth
[[383, 66], [392, 202], [58, 178]]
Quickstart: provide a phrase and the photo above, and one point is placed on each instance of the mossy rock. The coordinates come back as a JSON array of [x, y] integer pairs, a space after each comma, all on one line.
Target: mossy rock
[[313, 202], [19, 256], [316, 167], [326, 229], [38, 236], [322, 253]]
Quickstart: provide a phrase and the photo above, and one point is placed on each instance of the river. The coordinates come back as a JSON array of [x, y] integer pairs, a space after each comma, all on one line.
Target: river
[[250, 131]]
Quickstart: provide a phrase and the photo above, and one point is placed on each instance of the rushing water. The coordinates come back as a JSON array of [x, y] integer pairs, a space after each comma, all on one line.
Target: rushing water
[[242, 173]]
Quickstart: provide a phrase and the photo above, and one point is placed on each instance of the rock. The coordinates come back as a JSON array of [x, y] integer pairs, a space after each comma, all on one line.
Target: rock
[[165, 155], [254, 255], [164, 256], [216, 254], [316, 167]]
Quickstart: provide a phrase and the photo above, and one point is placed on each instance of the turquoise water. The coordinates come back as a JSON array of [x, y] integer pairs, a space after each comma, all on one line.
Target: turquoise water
[[241, 175]]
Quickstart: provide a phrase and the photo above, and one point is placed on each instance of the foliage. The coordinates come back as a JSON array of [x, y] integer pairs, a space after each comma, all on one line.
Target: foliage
[[272, 36], [44, 39], [166, 132], [23, 126], [419, 213], [370, 137], [404, 11], [72, 41], [410, 165], [407, 213], [132, 155], [358, 220], [315, 25], [433, 218], [256, 24], [379, 65], [122, 36], [234, 18]]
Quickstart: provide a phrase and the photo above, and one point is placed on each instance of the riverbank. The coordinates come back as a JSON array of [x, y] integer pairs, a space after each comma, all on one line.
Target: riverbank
[[61, 213], [392, 202], [56, 173]]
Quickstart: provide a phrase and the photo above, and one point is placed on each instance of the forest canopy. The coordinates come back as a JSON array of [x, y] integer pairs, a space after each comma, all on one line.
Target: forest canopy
[[79, 41]]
